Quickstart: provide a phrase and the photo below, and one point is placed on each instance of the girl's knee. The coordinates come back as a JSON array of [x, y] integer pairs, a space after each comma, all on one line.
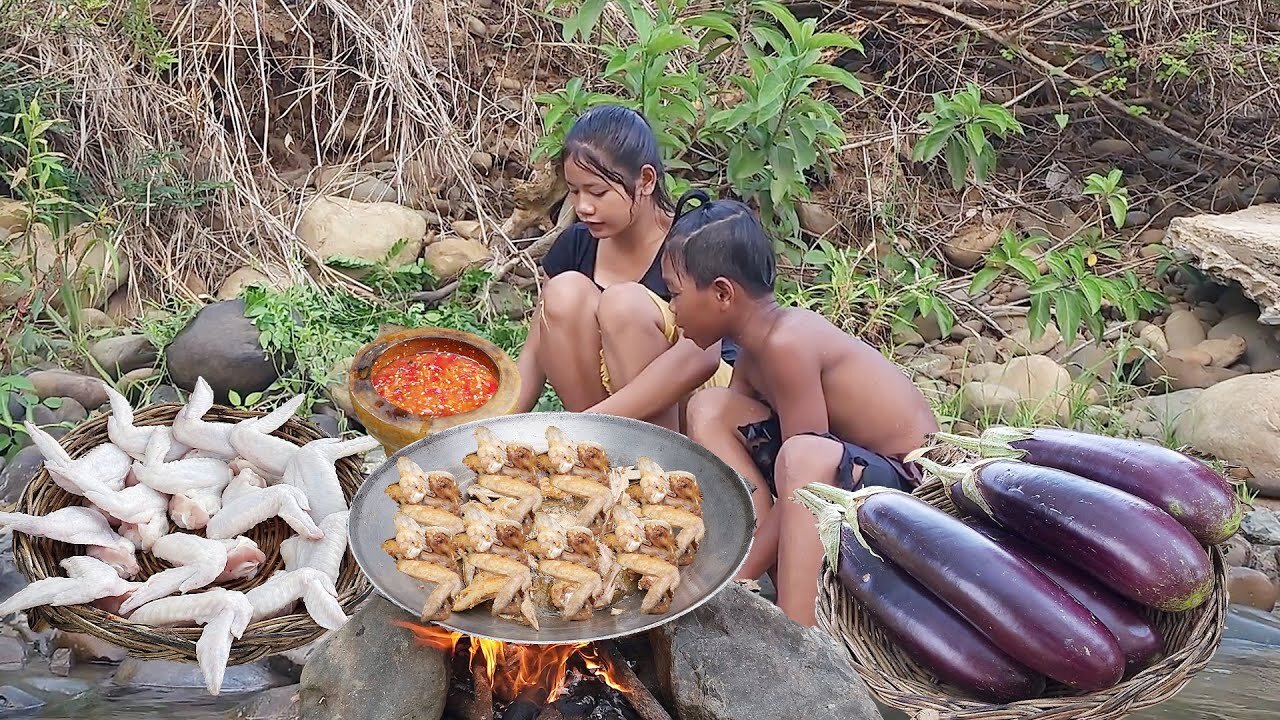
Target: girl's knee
[[804, 459], [568, 295], [624, 305]]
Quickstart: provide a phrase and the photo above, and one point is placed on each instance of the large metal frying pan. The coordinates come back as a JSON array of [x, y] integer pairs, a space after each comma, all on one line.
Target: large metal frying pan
[[730, 522]]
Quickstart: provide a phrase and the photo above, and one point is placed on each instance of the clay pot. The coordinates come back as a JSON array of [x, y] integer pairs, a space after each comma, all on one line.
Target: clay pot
[[395, 427]]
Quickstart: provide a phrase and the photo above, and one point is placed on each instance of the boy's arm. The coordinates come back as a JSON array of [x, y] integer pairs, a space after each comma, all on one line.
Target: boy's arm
[[794, 380], [664, 382]]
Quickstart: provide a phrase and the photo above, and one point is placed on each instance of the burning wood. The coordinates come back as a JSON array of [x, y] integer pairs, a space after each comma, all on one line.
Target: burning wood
[[528, 679]]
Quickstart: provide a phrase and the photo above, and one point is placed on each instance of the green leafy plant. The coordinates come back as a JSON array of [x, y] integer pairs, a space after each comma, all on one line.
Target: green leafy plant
[[1107, 189], [869, 299], [385, 275], [961, 127], [1067, 290], [777, 133]]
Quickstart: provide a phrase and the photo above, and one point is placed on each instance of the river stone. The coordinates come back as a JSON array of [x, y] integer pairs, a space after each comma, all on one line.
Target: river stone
[[280, 703], [124, 354], [1239, 421], [83, 389], [60, 662], [221, 345], [13, 653], [374, 668], [14, 701], [19, 471], [89, 648], [1246, 586], [245, 678], [1262, 342], [59, 685], [1236, 551], [1183, 330], [711, 663], [1262, 527]]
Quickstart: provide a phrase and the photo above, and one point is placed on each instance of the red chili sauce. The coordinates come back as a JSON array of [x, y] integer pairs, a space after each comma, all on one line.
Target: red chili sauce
[[436, 383]]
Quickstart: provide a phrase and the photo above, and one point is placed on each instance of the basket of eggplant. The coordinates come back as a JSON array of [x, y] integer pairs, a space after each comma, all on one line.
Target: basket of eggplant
[[1045, 572]]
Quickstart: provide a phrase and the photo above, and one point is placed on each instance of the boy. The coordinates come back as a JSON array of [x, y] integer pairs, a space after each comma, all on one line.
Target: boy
[[807, 402]]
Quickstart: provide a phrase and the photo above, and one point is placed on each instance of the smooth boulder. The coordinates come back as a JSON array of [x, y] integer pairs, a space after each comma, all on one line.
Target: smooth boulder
[[221, 345]]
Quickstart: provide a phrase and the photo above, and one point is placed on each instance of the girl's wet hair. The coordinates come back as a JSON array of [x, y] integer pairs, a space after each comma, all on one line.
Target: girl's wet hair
[[721, 238], [615, 143]]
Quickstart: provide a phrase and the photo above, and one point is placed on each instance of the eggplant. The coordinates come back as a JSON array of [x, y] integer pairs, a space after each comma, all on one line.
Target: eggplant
[[1131, 546], [1185, 488], [1017, 607], [1140, 640], [925, 628]]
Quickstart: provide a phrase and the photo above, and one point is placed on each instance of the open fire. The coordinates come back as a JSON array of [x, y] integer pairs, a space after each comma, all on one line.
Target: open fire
[[526, 681]]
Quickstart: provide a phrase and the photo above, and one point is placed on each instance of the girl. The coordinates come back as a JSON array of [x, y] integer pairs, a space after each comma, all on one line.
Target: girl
[[602, 333]]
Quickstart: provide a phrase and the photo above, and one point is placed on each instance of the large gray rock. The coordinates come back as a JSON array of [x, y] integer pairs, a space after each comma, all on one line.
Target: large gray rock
[[374, 668], [1238, 420], [739, 658], [1242, 246], [221, 345]]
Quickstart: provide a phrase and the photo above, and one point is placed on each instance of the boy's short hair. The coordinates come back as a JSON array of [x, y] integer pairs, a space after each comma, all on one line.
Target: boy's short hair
[[721, 238]]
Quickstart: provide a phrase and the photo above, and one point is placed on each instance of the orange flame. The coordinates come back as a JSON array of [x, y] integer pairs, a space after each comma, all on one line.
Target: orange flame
[[512, 668]]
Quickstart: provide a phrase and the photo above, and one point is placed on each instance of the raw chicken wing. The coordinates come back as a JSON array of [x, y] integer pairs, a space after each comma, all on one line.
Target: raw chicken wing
[[76, 525], [87, 580], [224, 613], [197, 562]]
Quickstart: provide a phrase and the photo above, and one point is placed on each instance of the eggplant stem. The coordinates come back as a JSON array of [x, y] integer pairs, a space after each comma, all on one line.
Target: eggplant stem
[[851, 501], [988, 445], [828, 517], [966, 475]]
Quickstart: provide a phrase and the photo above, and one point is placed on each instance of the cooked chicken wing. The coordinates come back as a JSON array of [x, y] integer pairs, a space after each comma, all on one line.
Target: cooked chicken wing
[[684, 492], [691, 528], [417, 487], [490, 455], [520, 578], [528, 493], [487, 586], [587, 583], [448, 583], [428, 515]]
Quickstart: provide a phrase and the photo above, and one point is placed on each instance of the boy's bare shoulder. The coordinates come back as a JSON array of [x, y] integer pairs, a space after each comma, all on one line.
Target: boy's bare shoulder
[[800, 328]]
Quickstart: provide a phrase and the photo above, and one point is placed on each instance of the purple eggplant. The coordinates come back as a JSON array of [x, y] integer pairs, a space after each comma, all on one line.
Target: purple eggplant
[[1139, 638], [1017, 607], [1187, 489], [1128, 544], [924, 627]]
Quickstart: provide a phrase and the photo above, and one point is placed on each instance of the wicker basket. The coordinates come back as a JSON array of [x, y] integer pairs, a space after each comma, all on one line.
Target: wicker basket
[[1190, 640], [38, 558]]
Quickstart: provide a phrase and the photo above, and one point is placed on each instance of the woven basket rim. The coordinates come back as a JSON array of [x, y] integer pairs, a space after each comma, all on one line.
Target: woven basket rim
[[1151, 686], [260, 639]]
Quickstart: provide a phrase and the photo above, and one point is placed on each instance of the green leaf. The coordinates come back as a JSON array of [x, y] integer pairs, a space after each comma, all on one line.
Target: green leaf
[[1062, 119], [53, 403], [670, 39], [234, 397], [712, 22], [784, 18], [933, 142], [1038, 317], [1092, 288], [833, 74], [957, 162], [1044, 285], [977, 138], [1067, 307], [827, 39], [983, 279], [1025, 268], [744, 163], [1119, 209]]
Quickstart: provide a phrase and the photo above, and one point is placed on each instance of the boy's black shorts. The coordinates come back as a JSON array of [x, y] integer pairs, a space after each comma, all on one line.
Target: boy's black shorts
[[764, 442]]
